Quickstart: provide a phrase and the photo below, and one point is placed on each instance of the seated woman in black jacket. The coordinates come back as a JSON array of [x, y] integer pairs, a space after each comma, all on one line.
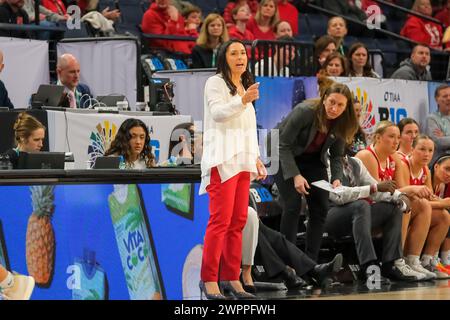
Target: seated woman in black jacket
[[29, 134], [212, 35]]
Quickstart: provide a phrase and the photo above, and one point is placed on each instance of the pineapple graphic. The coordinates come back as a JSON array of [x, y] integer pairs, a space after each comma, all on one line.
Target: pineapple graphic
[[40, 242]]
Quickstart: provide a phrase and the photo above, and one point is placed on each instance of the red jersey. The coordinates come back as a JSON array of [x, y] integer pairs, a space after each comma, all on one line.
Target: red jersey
[[388, 172], [442, 191], [421, 179]]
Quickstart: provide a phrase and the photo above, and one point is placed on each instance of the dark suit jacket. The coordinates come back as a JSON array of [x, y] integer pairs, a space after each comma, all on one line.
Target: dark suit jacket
[[83, 89], [202, 57], [4, 99], [296, 132]]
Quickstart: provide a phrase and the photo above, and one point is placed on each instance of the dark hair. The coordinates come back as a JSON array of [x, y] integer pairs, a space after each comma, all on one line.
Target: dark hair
[[321, 44], [346, 125], [182, 126], [405, 121], [25, 125], [367, 69], [121, 143], [343, 62], [439, 89], [224, 69]]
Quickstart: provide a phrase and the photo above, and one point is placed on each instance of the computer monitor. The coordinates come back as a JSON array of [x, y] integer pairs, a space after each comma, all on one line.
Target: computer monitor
[[161, 95], [110, 162], [48, 95], [41, 160], [110, 100]]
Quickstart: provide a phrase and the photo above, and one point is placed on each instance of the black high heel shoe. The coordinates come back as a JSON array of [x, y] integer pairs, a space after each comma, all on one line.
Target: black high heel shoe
[[209, 296], [247, 287], [227, 288]]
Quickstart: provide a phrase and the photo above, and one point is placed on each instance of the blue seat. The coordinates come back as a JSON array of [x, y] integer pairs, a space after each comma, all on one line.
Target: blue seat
[[317, 24], [209, 6]]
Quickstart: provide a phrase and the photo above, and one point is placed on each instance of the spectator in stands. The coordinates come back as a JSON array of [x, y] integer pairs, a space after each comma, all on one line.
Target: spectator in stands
[[440, 173], [263, 23], [416, 67], [438, 123], [420, 30], [11, 11], [288, 12], [335, 66], [418, 173], [192, 20], [56, 6], [337, 29], [212, 35], [350, 214], [383, 164], [358, 61], [282, 28], [444, 15], [192, 17], [132, 141], [323, 47], [241, 15], [360, 139], [228, 15], [162, 18], [306, 135], [68, 70], [409, 130], [44, 13], [29, 135], [4, 99], [278, 65], [15, 286]]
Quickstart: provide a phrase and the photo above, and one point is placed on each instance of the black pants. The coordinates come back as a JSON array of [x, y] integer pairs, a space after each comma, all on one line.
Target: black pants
[[275, 253], [312, 169], [359, 218]]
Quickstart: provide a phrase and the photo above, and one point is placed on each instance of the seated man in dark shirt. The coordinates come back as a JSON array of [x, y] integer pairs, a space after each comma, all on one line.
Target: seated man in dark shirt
[[4, 99], [11, 12]]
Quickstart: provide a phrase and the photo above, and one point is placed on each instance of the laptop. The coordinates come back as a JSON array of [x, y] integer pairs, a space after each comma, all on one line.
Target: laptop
[[110, 100], [41, 160], [48, 95], [110, 162]]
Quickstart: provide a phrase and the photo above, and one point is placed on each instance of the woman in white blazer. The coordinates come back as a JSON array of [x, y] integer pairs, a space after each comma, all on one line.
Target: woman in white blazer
[[230, 160]]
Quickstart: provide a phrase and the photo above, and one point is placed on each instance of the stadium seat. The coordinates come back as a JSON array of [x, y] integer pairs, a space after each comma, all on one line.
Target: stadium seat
[[317, 24]]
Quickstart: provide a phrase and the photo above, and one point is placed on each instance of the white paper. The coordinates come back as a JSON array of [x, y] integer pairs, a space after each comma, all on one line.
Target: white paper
[[325, 185]]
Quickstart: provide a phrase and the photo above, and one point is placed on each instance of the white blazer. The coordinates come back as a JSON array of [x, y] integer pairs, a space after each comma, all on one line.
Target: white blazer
[[230, 140]]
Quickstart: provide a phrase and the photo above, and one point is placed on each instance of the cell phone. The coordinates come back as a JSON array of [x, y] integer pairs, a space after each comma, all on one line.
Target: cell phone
[[116, 4]]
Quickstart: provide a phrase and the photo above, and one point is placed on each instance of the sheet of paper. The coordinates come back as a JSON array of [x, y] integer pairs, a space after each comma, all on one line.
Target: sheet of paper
[[325, 185]]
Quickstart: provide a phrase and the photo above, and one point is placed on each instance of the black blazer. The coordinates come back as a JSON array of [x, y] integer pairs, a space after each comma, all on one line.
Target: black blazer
[[297, 131], [202, 57], [4, 99]]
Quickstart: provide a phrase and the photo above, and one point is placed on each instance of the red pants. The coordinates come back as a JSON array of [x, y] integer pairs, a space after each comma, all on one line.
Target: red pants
[[228, 205]]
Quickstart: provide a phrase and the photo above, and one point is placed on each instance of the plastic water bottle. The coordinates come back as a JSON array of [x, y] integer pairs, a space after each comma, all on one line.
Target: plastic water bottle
[[122, 164]]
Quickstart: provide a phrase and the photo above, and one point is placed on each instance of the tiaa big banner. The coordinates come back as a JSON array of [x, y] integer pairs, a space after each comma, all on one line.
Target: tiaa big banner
[[388, 99]]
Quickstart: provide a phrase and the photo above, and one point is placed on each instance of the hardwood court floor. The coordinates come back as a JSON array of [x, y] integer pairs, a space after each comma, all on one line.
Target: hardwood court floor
[[429, 290]]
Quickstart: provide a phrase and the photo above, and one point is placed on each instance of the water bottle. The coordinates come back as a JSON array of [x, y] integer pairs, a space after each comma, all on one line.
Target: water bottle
[[122, 164]]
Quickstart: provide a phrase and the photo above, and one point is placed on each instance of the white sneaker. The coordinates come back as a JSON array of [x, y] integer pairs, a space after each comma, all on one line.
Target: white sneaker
[[416, 266], [21, 290], [406, 270]]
